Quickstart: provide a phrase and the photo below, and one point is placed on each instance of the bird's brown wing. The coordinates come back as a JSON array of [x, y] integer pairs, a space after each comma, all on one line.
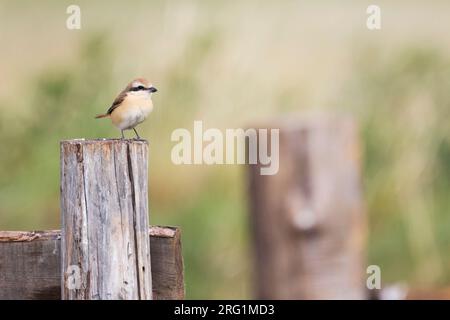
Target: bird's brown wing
[[118, 100]]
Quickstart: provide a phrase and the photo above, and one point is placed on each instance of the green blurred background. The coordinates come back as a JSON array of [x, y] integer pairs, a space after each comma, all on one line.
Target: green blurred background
[[229, 64]]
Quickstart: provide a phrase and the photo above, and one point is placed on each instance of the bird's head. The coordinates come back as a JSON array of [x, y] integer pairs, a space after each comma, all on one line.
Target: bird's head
[[141, 87]]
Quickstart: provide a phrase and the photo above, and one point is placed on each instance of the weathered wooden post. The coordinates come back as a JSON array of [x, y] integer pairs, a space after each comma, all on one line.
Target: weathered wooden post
[[30, 264], [105, 248], [308, 220]]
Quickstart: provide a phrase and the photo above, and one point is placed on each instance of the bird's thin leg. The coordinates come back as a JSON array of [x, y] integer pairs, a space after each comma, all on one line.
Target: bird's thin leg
[[137, 135], [123, 137]]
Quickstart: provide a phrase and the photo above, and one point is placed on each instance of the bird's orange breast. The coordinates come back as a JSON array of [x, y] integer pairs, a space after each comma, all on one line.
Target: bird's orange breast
[[131, 112]]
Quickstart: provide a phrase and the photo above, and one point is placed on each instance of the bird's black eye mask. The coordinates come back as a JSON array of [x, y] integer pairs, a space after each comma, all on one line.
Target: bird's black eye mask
[[139, 88]]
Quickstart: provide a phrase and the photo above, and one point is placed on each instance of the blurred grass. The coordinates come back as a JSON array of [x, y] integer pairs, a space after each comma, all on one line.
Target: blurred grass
[[231, 65], [403, 104]]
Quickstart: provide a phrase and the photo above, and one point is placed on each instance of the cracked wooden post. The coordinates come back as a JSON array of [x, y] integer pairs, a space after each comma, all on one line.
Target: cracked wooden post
[[308, 220], [105, 249], [30, 264]]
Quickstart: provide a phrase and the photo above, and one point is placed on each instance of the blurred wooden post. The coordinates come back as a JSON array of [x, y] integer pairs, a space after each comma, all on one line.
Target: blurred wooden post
[[105, 247], [308, 220]]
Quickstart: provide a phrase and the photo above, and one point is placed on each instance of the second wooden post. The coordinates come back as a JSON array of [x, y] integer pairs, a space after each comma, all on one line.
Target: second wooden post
[[308, 220], [105, 246]]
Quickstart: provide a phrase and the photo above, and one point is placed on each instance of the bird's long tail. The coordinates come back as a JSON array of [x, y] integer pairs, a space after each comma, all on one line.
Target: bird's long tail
[[102, 116]]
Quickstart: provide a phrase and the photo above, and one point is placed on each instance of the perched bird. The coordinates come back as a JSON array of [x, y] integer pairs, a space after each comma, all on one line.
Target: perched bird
[[132, 106]]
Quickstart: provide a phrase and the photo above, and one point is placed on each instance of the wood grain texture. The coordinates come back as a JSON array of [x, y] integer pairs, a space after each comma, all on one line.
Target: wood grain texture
[[308, 220], [30, 264], [104, 211], [167, 272]]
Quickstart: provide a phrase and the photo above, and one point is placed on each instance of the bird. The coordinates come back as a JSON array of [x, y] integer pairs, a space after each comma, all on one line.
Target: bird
[[132, 106]]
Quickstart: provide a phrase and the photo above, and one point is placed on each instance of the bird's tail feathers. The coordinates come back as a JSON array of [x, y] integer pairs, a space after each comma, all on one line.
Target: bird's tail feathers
[[102, 116]]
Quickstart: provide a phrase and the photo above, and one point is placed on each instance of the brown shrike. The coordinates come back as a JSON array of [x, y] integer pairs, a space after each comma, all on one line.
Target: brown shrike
[[132, 106]]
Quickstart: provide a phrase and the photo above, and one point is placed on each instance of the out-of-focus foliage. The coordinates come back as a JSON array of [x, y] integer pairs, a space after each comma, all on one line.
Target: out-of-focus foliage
[[403, 104]]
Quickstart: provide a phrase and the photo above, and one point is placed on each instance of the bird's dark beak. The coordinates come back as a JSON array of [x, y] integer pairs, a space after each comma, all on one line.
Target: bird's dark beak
[[152, 89]]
